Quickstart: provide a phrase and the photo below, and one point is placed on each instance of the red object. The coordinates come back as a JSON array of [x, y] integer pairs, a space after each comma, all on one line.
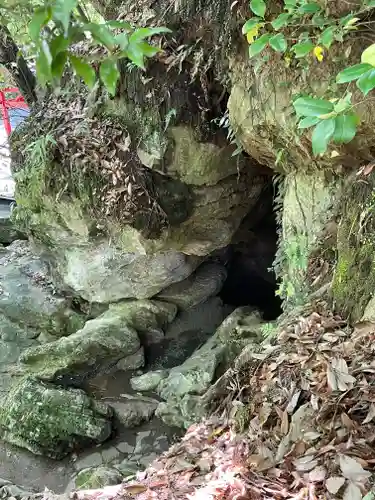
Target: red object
[[5, 104]]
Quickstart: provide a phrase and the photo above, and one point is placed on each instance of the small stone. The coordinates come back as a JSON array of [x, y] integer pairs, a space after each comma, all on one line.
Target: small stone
[[148, 381], [125, 447], [92, 460], [127, 468], [134, 411], [132, 362], [110, 454]]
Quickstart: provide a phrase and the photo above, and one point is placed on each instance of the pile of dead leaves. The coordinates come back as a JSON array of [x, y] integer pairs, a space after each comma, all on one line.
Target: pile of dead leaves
[[95, 159], [310, 434]]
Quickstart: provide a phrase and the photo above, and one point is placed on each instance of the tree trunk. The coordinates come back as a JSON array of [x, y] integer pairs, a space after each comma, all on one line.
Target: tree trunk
[[17, 66]]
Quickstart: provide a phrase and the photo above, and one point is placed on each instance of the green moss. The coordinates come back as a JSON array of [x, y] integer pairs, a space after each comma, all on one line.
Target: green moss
[[354, 274]]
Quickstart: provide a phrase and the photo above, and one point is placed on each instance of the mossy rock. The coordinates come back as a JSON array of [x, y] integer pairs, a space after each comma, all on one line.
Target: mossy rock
[[52, 421]]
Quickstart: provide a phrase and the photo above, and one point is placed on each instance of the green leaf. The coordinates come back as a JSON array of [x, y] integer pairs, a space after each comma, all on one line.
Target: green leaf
[[367, 82], [136, 55], [309, 8], [142, 33], [370, 4], [280, 21], [109, 75], [309, 106], [40, 18], [368, 55], [278, 43], [352, 73], [43, 64], [58, 44], [58, 65], [250, 24], [345, 128], [84, 70], [147, 49], [319, 20], [122, 40], [322, 135], [258, 7], [301, 49], [61, 11], [309, 121], [101, 34], [326, 38], [257, 47], [290, 5]]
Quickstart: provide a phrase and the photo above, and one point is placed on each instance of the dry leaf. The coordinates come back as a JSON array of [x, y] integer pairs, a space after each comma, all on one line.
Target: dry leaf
[[306, 463], [334, 483], [284, 423], [352, 470], [318, 474], [135, 489], [370, 415], [352, 492], [338, 377], [293, 402]]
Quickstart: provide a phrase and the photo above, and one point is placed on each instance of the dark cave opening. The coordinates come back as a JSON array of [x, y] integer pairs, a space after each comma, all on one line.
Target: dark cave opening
[[249, 258]]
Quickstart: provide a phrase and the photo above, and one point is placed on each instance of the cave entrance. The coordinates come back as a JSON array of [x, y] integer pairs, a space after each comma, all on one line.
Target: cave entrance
[[249, 258]]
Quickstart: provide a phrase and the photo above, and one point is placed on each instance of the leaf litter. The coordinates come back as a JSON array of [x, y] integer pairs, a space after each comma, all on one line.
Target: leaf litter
[[310, 432]]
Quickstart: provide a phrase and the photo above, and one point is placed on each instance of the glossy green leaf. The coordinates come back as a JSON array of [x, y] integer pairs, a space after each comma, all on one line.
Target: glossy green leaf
[[84, 70], [345, 128], [326, 38], [309, 121], [352, 73], [368, 55], [101, 34], [310, 106], [301, 49], [40, 18], [141, 33], [258, 7], [109, 74], [147, 49], [62, 10], [309, 8], [135, 54], [250, 24], [257, 47], [58, 44], [122, 40], [278, 43], [343, 104], [367, 82], [321, 135], [58, 65], [43, 64], [280, 21]]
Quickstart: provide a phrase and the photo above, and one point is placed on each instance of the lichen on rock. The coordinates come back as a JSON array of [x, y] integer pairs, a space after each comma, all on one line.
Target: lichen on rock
[[52, 421]]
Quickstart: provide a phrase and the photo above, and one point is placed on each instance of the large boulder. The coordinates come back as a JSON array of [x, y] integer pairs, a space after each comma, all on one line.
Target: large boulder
[[28, 297], [53, 421], [183, 389], [101, 343]]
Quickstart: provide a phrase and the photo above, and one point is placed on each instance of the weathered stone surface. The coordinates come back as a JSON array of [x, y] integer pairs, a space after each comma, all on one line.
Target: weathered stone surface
[[8, 233], [96, 478], [131, 411], [52, 421], [193, 162], [27, 296], [184, 388], [132, 362], [100, 343], [204, 283], [148, 381]]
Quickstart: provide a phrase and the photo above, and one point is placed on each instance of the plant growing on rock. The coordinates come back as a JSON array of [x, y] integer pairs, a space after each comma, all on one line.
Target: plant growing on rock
[[307, 31]]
